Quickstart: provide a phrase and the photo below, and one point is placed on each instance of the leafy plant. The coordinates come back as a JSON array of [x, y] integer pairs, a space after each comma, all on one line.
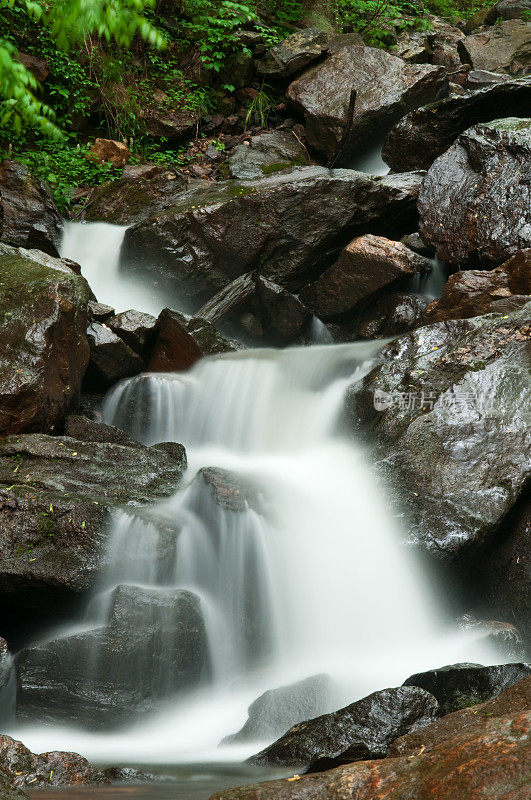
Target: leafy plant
[[259, 108]]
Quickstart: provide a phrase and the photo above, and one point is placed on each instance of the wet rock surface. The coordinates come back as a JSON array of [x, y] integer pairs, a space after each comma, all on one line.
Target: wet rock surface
[[475, 202], [426, 133], [110, 358], [23, 769], [44, 350], [460, 685], [153, 647], [365, 729], [287, 227], [136, 329], [368, 264], [266, 154], [355, 89], [451, 426], [293, 54], [505, 46], [228, 490], [182, 340], [28, 215]]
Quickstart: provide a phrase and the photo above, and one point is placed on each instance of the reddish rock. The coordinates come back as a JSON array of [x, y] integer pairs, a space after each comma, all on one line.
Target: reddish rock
[[116, 153], [505, 46], [183, 340], [23, 768], [366, 265], [355, 90], [474, 292], [489, 760]]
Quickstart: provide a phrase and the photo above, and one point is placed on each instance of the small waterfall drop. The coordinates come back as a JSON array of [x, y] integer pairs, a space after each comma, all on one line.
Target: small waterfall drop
[[281, 538]]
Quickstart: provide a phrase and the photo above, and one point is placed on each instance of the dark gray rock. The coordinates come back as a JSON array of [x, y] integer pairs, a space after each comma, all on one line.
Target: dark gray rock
[[389, 315], [461, 685], [293, 54], [503, 47], [475, 202], [503, 637], [136, 328], [451, 427], [182, 340], [28, 214], [265, 154], [356, 91], [365, 729], [288, 227], [423, 135], [110, 358], [509, 9]]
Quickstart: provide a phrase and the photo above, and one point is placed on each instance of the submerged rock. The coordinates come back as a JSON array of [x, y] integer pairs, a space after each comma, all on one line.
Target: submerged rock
[[355, 90], [446, 410], [425, 134], [228, 490], [475, 202], [265, 154], [24, 769], [182, 340], [279, 709], [44, 353], [505, 46], [153, 647], [259, 310], [367, 265], [461, 685], [287, 227], [365, 729], [28, 214], [55, 503]]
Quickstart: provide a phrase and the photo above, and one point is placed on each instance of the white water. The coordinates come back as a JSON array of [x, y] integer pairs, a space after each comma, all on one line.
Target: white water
[[337, 592]]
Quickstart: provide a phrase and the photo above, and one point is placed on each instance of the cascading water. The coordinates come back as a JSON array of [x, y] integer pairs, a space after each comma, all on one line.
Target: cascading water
[[281, 534]]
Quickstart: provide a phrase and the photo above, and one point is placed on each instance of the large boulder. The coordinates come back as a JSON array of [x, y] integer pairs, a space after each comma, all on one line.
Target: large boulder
[[475, 202], [356, 91], [265, 154], [271, 714], [509, 9], [24, 769], [259, 310], [182, 340], [446, 410], [474, 292], [28, 214], [287, 227], [293, 54], [423, 135], [153, 646], [505, 46], [56, 499], [367, 265], [462, 685], [44, 350], [365, 729]]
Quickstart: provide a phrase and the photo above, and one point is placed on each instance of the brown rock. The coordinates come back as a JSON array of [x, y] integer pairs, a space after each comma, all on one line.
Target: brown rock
[[183, 340], [515, 699], [366, 265], [505, 46], [116, 153], [24, 768], [39, 67], [43, 349], [509, 9], [474, 292], [28, 214], [358, 90], [174, 126], [293, 54], [488, 760]]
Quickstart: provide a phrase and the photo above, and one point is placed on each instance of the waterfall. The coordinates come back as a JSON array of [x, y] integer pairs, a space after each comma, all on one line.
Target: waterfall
[[280, 536]]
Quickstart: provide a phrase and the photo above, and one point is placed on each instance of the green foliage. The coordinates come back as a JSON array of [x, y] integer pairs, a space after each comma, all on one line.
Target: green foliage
[[260, 107]]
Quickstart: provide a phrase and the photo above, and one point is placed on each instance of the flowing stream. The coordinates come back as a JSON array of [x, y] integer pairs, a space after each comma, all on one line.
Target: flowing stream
[[286, 543]]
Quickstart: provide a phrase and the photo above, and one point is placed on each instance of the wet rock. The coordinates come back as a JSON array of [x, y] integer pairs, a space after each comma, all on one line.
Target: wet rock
[[5, 663], [461, 685], [475, 202], [44, 354], [293, 54], [413, 46], [481, 78], [505, 639], [24, 769], [509, 9], [426, 133], [505, 46], [444, 40], [390, 315], [136, 329], [99, 312], [365, 729], [135, 197], [367, 265], [490, 759], [474, 292], [228, 490], [275, 711], [110, 358], [182, 340], [258, 310], [56, 496], [154, 646], [446, 409], [28, 214], [416, 243], [356, 90], [87, 430], [287, 226], [265, 154], [9, 792], [107, 150]]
